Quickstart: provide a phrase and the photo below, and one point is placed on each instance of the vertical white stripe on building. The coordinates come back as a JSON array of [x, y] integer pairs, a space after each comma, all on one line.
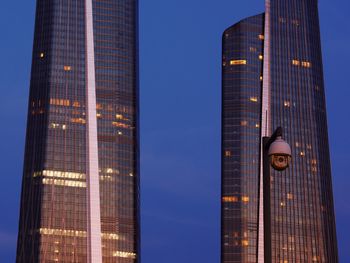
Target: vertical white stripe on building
[[265, 125], [94, 252]]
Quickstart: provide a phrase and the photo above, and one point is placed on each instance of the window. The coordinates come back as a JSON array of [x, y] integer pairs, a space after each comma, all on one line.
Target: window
[[253, 99], [306, 64], [230, 199], [245, 243], [261, 57], [286, 103], [238, 62], [245, 199], [67, 68], [261, 37], [296, 62], [244, 123]]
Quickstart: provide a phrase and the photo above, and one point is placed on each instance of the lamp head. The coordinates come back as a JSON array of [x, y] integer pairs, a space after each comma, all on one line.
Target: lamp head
[[280, 154]]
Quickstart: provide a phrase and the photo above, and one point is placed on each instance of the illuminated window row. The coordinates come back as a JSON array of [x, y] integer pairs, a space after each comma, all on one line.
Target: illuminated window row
[[245, 123], [64, 102], [62, 232], [78, 120], [120, 125], [110, 236], [253, 99], [60, 174], [299, 63], [122, 254], [111, 171], [238, 62], [60, 102], [234, 199], [67, 183], [107, 178], [58, 126], [75, 233]]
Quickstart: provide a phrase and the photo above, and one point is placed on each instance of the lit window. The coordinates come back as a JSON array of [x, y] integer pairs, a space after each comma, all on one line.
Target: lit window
[[296, 62], [283, 204], [75, 233], [59, 174], [313, 161], [297, 144], [290, 196], [261, 57], [253, 99], [238, 62], [78, 120], [109, 170], [110, 236], [98, 115], [306, 64], [228, 153], [59, 102], [119, 116], [122, 254], [245, 243], [287, 103], [261, 37], [230, 199], [257, 125], [67, 183], [67, 68], [245, 199], [302, 154], [261, 78], [42, 55], [244, 123], [120, 125], [76, 104], [54, 125]]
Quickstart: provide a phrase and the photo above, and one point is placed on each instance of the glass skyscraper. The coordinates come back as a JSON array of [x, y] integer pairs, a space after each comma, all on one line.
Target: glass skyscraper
[[80, 190], [273, 76]]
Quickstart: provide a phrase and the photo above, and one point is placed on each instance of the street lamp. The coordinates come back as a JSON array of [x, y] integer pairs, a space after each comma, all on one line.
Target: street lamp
[[276, 153]]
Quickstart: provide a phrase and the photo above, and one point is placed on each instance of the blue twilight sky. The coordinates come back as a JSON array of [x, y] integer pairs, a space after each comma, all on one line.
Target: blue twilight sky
[[180, 50]]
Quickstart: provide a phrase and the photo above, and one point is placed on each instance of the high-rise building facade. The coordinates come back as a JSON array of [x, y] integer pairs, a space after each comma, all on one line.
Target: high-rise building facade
[[273, 76], [80, 190]]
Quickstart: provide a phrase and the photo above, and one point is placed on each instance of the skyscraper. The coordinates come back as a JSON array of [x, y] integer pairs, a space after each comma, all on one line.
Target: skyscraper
[[273, 76], [80, 190]]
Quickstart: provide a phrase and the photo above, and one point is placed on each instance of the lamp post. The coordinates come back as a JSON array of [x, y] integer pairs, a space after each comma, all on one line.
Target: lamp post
[[276, 153]]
